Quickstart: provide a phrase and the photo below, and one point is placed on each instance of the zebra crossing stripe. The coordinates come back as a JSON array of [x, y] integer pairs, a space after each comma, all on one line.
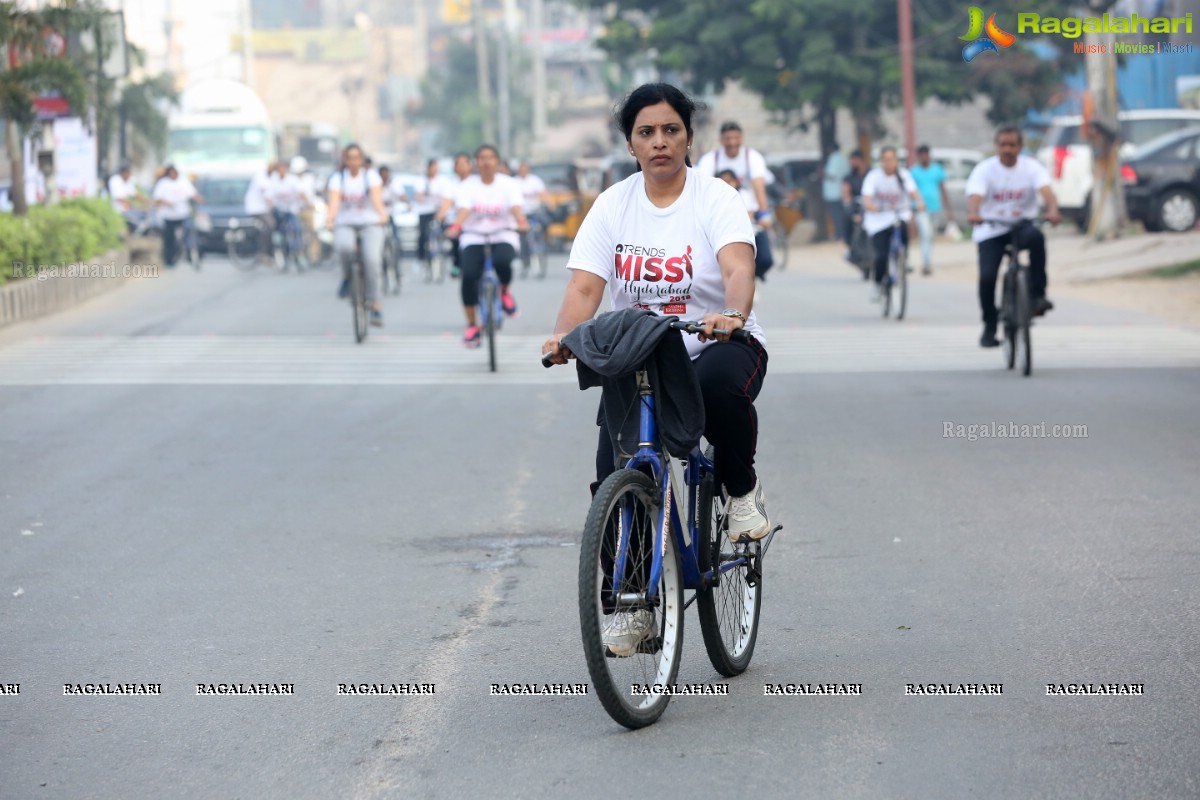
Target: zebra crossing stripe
[[433, 360]]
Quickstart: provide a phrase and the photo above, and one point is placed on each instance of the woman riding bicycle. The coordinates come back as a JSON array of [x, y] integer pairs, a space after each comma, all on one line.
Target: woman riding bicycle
[[888, 196], [488, 210], [356, 204], [679, 242]]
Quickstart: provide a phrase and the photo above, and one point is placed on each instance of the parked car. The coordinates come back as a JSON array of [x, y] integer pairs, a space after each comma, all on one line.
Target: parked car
[[1162, 182], [1068, 156], [224, 200]]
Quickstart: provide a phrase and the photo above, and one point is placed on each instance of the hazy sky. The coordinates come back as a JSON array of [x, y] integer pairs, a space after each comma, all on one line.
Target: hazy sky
[[202, 35]]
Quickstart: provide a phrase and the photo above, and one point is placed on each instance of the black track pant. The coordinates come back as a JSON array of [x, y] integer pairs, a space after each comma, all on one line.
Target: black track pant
[[472, 269], [991, 253]]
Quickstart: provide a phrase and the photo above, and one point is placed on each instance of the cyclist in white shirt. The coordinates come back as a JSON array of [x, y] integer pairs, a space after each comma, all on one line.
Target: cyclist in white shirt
[[752, 174], [123, 193], [462, 171], [487, 210], [173, 196], [257, 203], [677, 241], [533, 189], [430, 195], [889, 195], [356, 205], [1007, 187]]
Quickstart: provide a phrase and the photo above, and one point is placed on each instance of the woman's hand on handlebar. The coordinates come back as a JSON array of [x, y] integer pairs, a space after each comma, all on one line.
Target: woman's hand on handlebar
[[719, 327], [554, 351]]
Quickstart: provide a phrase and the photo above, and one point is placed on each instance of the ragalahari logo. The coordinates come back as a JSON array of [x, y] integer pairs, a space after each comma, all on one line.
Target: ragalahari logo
[[982, 37]]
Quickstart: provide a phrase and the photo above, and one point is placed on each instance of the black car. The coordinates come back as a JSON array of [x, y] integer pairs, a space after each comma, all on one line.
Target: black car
[[1162, 182], [224, 199]]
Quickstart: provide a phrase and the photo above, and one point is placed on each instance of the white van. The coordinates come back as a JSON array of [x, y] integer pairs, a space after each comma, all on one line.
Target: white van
[[1069, 158]]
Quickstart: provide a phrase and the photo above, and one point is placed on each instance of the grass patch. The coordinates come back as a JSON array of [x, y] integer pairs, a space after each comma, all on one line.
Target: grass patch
[[1177, 270]]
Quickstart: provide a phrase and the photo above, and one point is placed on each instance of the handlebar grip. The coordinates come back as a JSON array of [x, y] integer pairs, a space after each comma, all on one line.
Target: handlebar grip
[[546, 362]]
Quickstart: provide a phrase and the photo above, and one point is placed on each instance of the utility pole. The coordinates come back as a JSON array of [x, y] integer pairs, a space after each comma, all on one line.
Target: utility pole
[[503, 90], [539, 76], [483, 72], [908, 90], [1107, 200]]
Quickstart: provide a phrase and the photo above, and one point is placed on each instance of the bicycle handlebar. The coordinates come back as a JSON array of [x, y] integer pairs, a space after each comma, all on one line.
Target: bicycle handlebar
[[739, 335]]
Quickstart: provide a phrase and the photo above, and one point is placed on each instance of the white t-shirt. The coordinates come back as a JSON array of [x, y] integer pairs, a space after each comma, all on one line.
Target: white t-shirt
[[890, 194], [748, 164], [176, 193], [355, 208], [120, 189], [257, 199], [1008, 192], [288, 194], [491, 207], [531, 189], [433, 192], [665, 259]]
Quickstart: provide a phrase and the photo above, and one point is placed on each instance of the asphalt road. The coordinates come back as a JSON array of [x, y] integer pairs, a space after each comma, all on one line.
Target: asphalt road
[[206, 481]]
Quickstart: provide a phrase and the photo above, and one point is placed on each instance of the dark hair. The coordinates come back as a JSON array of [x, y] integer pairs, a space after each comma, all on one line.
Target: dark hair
[[651, 94], [483, 147], [887, 148], [730, 126], [1009, 128], [382, 167], [856, 153], [431, 162], [353, 146], [730, 173], [923, 149]]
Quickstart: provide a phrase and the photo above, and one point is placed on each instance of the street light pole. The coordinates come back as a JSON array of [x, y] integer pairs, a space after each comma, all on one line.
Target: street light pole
[[908, 90]]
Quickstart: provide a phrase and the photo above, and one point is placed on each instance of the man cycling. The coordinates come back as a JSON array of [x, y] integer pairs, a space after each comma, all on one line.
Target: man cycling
[[888, 197], [356, 203], [533, 189], [999, 189], [751, 170]]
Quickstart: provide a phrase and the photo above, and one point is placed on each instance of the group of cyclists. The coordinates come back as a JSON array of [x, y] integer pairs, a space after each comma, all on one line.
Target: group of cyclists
[[483, 204], [1002, 191]]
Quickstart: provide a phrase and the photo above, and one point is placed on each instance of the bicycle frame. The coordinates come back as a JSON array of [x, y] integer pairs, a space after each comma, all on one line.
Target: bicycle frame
[[489, 276], [687, 537]]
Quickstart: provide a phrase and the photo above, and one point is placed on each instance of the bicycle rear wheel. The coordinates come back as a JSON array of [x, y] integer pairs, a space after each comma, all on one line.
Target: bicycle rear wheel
[[728, 610], [779, 245], [624, 514], [1008, 318], [242, 246], [358, 300], [487, 306]]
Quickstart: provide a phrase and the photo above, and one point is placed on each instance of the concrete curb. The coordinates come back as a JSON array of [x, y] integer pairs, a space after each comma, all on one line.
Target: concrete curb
[[28, 298]]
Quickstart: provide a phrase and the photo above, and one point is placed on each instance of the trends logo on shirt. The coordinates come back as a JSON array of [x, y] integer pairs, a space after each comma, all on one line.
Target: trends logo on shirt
[[651, 265]]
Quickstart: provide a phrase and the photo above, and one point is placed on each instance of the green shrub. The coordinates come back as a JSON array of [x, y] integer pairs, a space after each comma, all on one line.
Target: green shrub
[[76, 230]]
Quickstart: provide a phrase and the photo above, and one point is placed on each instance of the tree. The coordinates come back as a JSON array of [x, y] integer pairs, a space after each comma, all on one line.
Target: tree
[[32, 68], [807, 58], [450, 97]]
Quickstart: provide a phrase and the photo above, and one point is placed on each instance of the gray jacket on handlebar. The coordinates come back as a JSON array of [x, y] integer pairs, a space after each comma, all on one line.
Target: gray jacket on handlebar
[[611, 348]]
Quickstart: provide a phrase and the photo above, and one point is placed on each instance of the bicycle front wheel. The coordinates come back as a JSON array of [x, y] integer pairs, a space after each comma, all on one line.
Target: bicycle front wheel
[[632, 642], [901, 282], [488, 302], [1024, 313], [358, 301], [729, 608]]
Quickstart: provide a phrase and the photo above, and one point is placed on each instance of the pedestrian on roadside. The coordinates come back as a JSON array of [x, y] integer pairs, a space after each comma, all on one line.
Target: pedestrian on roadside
[[751, 170], [930, 178], [257, 203], [853, 234], [173, 197], [835, 169]]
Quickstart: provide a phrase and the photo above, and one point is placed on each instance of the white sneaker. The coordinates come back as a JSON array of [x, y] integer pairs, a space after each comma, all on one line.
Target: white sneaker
[[876, 292], [624, 631], [748, 515]]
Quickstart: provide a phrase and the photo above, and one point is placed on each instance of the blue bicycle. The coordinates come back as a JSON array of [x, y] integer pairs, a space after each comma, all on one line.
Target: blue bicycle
[[491, 308], [896, 279], [637, 557]]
